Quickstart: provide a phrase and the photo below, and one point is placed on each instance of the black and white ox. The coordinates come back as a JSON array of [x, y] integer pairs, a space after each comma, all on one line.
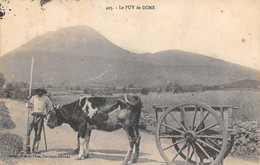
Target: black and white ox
[[101, 113]]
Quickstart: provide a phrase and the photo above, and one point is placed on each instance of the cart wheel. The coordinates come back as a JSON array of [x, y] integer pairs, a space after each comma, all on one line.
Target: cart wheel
[[194, 133], [231, 140]]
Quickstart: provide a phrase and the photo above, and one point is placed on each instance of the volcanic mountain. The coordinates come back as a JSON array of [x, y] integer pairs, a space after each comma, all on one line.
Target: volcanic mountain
[[80, 55]]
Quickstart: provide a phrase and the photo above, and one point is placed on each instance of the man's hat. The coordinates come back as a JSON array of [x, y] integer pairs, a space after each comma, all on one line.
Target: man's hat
[[40, 90]]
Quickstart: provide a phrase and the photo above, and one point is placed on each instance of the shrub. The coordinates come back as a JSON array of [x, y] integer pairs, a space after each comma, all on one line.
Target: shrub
[[144, 91], [87, 91], [2, 80], [5, 119], [10, 145], [6, 123], [15, 92], [1, 93], [77, 87]]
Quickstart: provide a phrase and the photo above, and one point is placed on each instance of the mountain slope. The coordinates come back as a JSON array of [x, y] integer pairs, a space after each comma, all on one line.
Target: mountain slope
[[247, 83], [80, 55]]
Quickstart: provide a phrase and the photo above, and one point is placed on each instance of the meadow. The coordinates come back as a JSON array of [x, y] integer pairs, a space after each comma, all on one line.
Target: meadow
[[247, 101]]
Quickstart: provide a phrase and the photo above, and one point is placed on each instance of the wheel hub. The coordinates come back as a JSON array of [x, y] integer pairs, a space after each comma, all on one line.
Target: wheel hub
[[190, 136]]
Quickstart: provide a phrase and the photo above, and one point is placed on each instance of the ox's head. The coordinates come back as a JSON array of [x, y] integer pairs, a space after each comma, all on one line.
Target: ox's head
[[54, 118], [135, 103]]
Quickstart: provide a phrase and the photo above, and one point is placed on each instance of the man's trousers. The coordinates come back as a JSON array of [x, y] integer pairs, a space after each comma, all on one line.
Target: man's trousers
[[36, 123]]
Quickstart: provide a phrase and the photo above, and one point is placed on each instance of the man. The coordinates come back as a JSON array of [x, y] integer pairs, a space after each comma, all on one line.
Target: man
[[39, 106]]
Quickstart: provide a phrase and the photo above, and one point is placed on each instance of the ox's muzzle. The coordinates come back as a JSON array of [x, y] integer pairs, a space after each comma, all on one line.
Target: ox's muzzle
[[52, 119]]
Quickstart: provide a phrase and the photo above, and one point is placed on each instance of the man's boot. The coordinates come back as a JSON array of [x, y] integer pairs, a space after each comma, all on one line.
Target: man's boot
[[35, 147], [25, 151], [35, 151], [28, 150]]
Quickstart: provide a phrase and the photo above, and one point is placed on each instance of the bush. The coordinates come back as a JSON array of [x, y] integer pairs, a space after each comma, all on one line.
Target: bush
[[5, 119], [10, 145], [19, 94], [6, 123], [1, 93], [15, 92], [87, 91], [3, 111], [144, 91], [2, 80], [77, 87]]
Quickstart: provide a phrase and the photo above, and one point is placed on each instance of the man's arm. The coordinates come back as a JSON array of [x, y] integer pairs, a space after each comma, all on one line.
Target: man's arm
[[49, 105], [30, 103]]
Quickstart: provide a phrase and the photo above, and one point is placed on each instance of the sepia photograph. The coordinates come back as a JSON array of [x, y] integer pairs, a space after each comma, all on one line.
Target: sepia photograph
[[119, 82]]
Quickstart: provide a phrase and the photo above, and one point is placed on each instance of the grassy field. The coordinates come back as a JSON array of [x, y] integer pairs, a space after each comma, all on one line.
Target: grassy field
[[247, 101]]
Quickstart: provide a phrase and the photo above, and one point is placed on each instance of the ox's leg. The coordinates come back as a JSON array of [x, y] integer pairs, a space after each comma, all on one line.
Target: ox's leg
[[131, 137], [86, 143], [82, 133], [76, 151], [137, 144]]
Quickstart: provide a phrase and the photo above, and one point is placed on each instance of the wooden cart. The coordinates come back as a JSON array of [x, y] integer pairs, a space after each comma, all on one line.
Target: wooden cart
[[195, 132]]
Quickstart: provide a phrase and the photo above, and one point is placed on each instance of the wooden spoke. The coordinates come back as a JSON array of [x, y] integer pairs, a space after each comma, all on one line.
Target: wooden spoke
[[213, 137], [178, 123], [191, 154], [187, 156], [173, 144], [213, 142], [171, 136], [207, 128], [184, 116], [202, 149], [202, 121], [185, 145], [208, 145], [194, 118], [196, 154], [175, 129]]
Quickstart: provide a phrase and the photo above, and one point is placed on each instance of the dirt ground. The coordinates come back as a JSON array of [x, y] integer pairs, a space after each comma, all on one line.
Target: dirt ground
[[107, 148]]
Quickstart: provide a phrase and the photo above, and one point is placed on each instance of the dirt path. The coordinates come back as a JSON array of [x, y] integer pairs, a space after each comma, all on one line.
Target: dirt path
[[107, 148]]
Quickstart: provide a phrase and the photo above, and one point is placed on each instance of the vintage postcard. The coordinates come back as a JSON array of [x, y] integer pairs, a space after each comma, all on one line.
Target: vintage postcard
[[149, 82]]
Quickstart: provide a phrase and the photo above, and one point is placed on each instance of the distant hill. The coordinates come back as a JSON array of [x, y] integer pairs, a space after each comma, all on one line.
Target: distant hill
[[80, 55], [247, 83]]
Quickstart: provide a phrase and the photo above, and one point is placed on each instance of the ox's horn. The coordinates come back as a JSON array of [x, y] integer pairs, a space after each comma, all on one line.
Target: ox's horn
[[134, 103]]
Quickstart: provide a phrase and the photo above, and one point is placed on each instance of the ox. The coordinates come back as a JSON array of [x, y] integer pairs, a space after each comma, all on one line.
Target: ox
[[101, 113]]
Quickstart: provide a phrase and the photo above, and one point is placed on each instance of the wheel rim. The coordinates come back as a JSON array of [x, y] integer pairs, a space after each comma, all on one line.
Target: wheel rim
[[183, 132], [231, 140]]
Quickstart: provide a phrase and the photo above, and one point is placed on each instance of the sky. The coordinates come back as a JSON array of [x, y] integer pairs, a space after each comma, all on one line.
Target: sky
[[223, 29]]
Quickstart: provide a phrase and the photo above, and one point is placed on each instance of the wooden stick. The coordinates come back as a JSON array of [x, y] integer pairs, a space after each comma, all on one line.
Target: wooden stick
[[31, 77], [45, 140]]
